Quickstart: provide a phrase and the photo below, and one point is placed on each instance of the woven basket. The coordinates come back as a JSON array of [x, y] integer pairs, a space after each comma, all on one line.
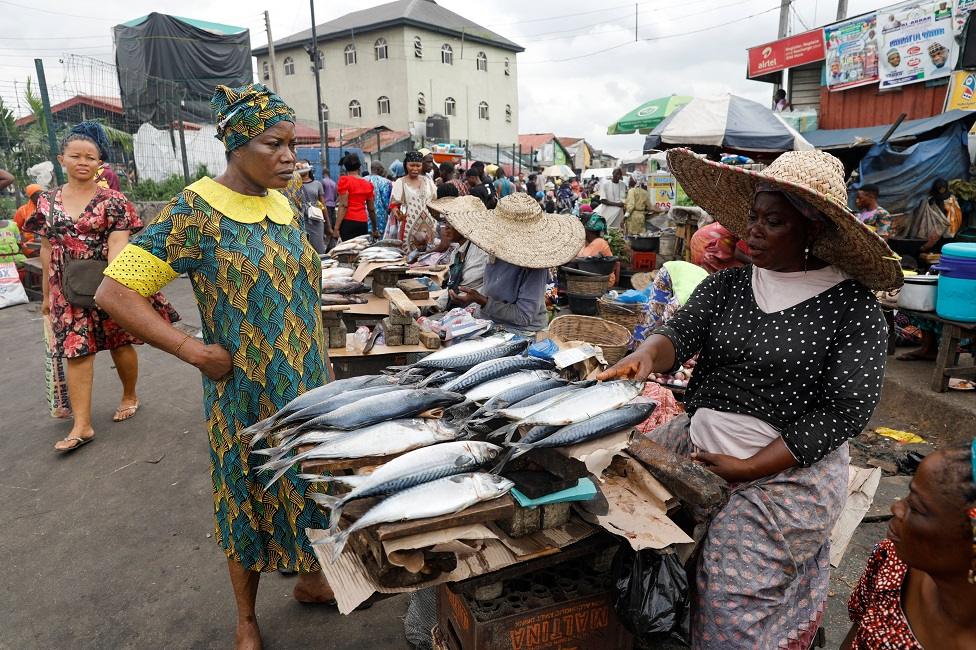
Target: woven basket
[[629, 316], [611, 337], [587, 286]]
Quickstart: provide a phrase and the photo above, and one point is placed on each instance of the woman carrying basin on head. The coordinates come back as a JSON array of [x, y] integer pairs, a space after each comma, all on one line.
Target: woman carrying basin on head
[[791, 358], [257, 281]]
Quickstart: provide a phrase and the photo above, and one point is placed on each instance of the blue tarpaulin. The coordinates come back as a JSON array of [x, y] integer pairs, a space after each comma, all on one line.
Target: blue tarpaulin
[[905, 175], [868, 135]]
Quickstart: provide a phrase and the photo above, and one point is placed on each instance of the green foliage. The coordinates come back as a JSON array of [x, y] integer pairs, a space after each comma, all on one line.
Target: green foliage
[[149, 190], [7, 207], [618, 244]]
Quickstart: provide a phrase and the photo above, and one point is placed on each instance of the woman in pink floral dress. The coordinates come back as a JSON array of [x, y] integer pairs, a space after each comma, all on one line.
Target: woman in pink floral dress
[[84, 221]]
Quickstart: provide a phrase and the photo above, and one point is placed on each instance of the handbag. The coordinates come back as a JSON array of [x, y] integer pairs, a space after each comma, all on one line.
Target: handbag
[[80, 281]]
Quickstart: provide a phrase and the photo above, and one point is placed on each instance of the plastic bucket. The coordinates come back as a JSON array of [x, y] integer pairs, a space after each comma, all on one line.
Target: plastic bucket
[[667, 245], [957, 283], [919, 293]]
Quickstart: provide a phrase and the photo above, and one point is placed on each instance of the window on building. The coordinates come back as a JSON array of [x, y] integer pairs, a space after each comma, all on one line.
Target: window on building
[[508, 67], [421, 104], [355, 110], [383, 105], [321, 62], [324, 112], [418, 47], [350, 53], [289, 65], [483, 111], [447, 54], [265, 71], [508, 112], [482, 62], [379, 47], [450, 106]]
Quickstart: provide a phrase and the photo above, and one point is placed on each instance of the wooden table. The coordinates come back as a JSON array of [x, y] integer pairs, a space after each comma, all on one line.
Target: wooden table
[[952, 333], [33, 278], [349, 363]]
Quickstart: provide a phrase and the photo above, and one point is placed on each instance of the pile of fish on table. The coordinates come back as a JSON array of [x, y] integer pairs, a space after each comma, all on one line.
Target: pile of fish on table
[[365, 249], [338, 285], [440, 429]]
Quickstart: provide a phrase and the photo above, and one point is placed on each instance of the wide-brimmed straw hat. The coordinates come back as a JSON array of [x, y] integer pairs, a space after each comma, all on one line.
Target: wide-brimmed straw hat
[[520, 233], [466, 203], [727, 192]]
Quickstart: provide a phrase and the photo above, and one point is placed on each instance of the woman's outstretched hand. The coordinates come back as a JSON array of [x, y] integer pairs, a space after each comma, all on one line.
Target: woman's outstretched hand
[[637, 365]]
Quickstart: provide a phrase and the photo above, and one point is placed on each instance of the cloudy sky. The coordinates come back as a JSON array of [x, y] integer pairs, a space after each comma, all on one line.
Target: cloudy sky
[[582, 68]]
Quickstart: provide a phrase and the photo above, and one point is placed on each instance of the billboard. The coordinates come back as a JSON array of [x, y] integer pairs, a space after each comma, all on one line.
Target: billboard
[[852, 52], [915, 43], [790, 52], [962, 91]]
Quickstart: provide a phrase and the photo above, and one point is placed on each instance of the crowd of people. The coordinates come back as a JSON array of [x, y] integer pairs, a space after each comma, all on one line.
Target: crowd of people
[[777, 306]]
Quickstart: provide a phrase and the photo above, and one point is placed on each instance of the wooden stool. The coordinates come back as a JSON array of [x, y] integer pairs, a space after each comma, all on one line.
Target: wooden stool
[[952, 333]]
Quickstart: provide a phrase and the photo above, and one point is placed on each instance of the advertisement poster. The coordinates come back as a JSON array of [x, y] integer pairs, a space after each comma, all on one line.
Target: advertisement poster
[[962, 11], [790, 52], [661, 187], [852, 52], [962, 91], [915, 43]]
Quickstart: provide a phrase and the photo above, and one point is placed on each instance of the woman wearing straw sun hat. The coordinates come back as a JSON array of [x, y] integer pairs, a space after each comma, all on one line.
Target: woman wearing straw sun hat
[[791, 359], [522, 242]]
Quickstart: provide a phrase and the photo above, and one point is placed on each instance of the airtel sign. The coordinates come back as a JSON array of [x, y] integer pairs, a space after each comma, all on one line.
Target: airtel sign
[[790, 52]]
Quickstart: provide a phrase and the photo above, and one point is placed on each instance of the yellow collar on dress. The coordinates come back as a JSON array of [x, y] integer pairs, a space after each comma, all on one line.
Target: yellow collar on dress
[[244, 208]]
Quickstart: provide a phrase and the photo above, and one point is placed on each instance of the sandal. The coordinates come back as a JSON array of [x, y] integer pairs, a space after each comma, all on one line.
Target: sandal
[[81, 443], [125, 412]]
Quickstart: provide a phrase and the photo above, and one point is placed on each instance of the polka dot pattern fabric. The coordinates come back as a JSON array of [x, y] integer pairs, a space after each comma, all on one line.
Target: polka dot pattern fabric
[[875, 606], [813, 371]]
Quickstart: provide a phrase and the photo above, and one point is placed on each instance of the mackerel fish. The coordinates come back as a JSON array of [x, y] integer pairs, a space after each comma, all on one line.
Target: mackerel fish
[[402, 403], [494, 368]]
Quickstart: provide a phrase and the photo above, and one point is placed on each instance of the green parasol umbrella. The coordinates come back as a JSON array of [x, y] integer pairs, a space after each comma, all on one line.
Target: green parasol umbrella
[[648, 115]]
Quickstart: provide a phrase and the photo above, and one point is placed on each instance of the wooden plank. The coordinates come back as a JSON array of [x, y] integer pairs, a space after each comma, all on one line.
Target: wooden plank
[[378, 350], [341, 465], [493, 510], [329, 308], [403, 304], [376, 306]]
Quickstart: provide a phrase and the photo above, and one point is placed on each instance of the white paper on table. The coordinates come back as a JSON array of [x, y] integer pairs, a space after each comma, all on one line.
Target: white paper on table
[[862, 484]]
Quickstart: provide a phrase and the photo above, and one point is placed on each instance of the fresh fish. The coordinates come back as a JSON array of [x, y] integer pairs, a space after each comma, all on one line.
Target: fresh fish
[[533, 403], [368, 442], [490, 389], [493, 369], [402, 403], [314, 396], [343, 286], [585, 404], [518, 393], [599, 425], [310, 414], [434, 499], [336, 273], [437, 378], [472, 352], [402, 473], [334, 299], [389, 243]]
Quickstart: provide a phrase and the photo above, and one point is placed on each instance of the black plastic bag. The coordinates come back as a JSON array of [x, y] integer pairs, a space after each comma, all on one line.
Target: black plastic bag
[[652, 600]]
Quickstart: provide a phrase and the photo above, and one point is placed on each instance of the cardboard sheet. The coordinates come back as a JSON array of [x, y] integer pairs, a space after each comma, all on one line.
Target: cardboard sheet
[[598, 454], [366, 268], [635, 507], [378, 350], [376, 306], [353, 585], [862, 484], [460, 540]]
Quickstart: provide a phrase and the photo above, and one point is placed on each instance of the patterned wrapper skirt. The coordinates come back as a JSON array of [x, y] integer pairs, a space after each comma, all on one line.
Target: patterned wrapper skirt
[[764, 570]]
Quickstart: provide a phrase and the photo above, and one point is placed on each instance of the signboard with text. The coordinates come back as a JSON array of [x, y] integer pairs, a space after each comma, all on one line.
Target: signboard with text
[[786, 53], [962, 91], [915, 43], [852, 52]]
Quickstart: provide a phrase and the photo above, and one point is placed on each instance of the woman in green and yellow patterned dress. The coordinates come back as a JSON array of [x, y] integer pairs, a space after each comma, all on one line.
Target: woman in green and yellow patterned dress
[[257, 283]]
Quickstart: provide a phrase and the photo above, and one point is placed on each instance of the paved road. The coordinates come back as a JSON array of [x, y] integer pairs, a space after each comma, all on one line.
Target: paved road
[[111, 547]]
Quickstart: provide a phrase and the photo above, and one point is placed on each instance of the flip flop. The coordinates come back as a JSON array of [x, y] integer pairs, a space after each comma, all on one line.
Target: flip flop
[[123, 413], [81, 443]]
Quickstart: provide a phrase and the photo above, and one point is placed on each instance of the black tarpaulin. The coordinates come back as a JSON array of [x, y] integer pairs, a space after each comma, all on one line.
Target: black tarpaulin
[[163, 60]]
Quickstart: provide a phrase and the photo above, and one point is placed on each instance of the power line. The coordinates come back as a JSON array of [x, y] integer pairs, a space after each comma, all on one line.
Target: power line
[[54, 13]]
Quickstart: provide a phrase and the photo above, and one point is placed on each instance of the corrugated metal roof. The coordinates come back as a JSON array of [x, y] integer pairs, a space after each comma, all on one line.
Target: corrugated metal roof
[[868, 135], [535, 140], [420, 13]]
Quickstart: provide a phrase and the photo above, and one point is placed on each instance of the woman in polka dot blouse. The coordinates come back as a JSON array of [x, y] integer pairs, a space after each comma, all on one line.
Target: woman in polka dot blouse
[[791, 359]]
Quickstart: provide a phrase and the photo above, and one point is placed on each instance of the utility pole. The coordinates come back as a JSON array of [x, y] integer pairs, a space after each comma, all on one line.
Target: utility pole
[[271, 54], [784, 28], [841, 9], [49, 120], [323, 125]]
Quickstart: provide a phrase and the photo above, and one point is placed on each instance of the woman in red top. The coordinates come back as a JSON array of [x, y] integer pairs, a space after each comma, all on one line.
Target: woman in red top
[[918, 590], [355, 201]]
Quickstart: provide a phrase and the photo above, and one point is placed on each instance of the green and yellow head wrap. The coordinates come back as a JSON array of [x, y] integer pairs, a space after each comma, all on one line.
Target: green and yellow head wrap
[[246, 112]]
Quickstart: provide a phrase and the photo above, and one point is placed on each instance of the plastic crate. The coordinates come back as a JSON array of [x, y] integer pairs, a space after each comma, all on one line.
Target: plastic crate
[[642, 261]]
